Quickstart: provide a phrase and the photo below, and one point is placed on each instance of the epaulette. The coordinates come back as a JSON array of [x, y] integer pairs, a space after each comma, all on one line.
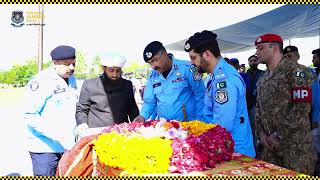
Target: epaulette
[[221, 75]]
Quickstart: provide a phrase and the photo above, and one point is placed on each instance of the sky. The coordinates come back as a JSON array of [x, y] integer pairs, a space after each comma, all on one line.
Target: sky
[[127, 29]]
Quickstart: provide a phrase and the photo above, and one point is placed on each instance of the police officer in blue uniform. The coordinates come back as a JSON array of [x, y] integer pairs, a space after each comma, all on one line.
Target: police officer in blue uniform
[[316, 88], [174, 89], [315, 107], [225, 95], [52, 97]]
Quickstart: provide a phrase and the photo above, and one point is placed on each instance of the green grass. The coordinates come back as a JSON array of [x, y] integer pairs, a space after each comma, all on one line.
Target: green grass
[[11, 97]]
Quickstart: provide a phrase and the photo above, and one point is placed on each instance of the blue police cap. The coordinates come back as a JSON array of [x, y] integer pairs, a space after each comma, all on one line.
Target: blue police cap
[[63, 52], [234, 60], [316, 51], [198, 39], [151, 50]]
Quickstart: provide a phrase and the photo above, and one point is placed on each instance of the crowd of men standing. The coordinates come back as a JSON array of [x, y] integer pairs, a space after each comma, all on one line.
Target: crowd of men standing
[[270, 114]]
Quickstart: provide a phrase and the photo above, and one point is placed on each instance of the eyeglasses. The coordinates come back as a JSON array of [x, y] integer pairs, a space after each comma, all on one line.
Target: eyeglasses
[[155, 60]]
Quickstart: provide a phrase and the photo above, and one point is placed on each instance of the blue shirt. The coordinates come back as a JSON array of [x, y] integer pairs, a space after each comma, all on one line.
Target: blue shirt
[[50, 112], [225, 104], [182, 91], [316, 98], [245, 79]]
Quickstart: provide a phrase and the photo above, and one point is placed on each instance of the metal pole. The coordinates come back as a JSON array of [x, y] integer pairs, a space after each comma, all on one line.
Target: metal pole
[[40, 38]]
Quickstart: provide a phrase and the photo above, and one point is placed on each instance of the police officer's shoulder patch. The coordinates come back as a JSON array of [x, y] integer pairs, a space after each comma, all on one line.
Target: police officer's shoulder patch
[[194, 69], [221, 96], [221, 85], [195, 74], [220, 76], [34, 85]]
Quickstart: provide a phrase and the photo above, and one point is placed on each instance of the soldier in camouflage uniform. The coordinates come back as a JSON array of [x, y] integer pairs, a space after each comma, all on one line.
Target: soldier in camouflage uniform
[[283, 103]]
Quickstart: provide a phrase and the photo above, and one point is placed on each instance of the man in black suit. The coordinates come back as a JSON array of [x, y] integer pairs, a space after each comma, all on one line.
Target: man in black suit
[[108, 99]]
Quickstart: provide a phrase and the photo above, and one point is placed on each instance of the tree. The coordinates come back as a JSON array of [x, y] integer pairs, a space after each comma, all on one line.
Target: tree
[[81, 66], [95, 69], [133, 66], [19, 75], [11, 76], [2, 77], [47, 64]]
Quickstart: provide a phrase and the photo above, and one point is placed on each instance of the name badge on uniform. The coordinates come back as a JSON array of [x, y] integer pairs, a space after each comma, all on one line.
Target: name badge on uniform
[[178, 80], [59, 90], [221, 96], [156, 85]]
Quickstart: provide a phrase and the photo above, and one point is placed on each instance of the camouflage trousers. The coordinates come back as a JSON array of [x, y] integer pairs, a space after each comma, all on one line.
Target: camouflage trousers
[[293, 159]]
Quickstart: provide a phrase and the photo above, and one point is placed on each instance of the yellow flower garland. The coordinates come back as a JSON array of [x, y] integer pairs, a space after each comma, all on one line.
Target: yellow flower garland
[[197, 127], [134, 153]]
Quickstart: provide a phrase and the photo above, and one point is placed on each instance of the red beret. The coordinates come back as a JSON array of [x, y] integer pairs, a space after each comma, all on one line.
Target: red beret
[[268, 38]]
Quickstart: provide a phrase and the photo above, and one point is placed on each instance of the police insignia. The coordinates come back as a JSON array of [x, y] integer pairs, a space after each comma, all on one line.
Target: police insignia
[[196, 76], [194, 69], [187, 46], [17, 19], [149, 54], [176, 67], [34, 86], [300, 74], [300, 94], [221, 96], [222, 84]]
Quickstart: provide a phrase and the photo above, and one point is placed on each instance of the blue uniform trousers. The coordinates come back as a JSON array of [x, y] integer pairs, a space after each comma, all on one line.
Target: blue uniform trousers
[[45, 164]]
